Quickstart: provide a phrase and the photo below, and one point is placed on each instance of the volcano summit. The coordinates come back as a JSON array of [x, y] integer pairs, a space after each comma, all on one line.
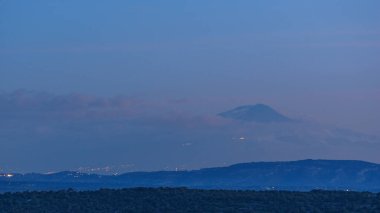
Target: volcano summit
[[260, 113]]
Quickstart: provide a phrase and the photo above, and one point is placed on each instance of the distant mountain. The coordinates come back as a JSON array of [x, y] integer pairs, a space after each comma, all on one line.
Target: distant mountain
[[292, 175], [255, 113]]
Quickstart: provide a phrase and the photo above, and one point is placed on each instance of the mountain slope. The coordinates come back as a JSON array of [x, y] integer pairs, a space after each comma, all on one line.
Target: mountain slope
[[255, 113], [292, 175]]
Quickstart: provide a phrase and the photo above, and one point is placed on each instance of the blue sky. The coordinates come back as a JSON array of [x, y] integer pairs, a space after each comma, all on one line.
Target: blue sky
[[151, 47], [317, 60]]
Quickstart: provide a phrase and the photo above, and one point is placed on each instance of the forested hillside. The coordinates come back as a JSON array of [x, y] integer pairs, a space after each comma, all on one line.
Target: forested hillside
[[188, 200]]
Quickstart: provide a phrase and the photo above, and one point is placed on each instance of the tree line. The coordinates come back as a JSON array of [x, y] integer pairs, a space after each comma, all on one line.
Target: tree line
[[188, 200]]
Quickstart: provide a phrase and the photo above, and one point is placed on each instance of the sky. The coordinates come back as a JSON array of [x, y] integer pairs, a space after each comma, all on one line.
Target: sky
[[159, 61]]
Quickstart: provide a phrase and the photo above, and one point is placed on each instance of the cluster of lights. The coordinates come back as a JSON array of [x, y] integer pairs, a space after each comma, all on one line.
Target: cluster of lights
[[7, 175], [107, 169], [239, 139]]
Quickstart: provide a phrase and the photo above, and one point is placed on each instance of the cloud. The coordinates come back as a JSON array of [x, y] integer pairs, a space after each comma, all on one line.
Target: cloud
[[36, 116], [42, 131], [75, 130], [22, 102]]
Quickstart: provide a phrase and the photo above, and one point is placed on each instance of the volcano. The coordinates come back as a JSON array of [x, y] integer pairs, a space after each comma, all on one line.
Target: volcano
[[260, 113]]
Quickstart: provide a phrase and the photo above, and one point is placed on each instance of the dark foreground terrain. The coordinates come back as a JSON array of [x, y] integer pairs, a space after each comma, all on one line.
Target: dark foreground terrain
[[188, 200]]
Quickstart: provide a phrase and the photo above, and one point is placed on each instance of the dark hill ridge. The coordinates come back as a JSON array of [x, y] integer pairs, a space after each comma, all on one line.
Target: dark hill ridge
[[188, 200], [292, 175], [255, 113]]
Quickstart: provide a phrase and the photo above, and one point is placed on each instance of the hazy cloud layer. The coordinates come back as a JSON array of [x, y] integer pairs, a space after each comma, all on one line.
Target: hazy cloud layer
[[43, 132], [64, 131]]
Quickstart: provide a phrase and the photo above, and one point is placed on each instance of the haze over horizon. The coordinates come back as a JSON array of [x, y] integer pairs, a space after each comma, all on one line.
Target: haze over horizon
[[96, 83]]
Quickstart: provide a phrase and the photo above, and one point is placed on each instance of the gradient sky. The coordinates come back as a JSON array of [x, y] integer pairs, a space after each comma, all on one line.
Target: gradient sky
[[316, 60]]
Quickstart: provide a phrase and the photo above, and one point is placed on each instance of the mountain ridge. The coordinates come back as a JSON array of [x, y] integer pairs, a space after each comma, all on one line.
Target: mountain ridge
[[282, 175]]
